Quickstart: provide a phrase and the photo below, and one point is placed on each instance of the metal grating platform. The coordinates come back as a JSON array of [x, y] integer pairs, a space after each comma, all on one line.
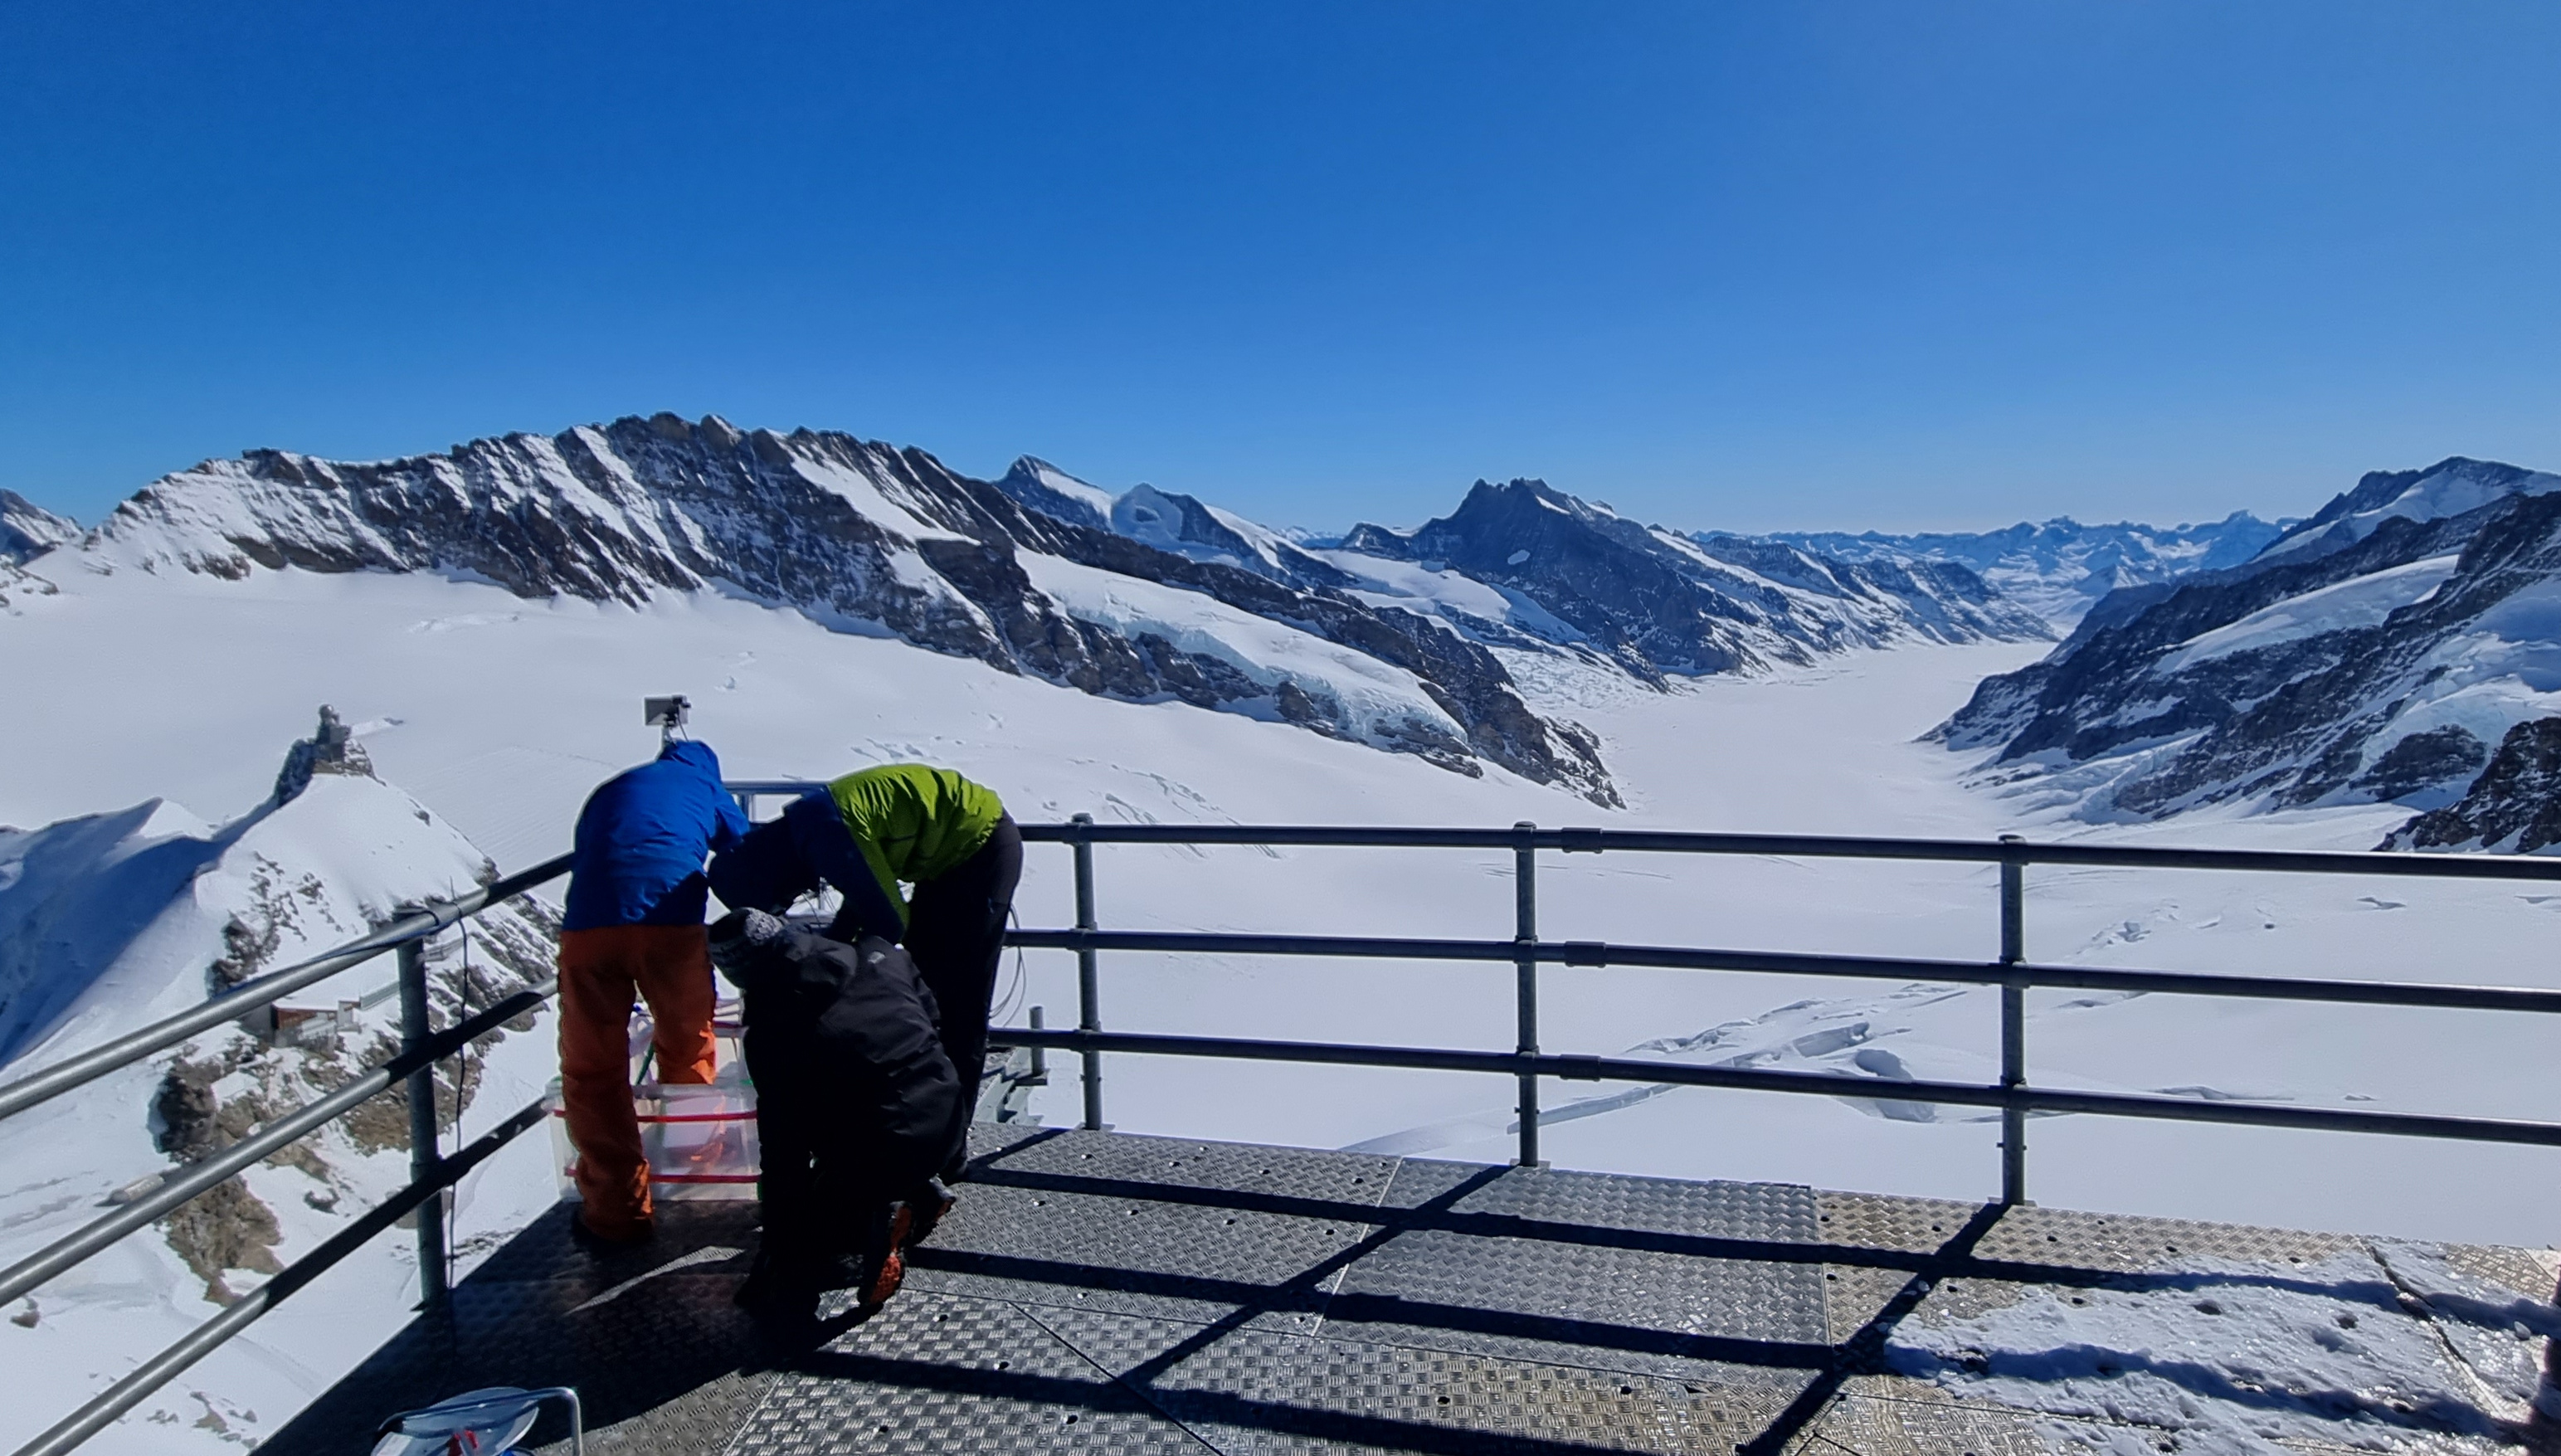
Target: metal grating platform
[[1111, 1293]]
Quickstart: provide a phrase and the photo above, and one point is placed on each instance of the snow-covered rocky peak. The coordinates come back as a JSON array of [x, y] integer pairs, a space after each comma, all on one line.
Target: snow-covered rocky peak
[[2376, 655], [2451, 487], [28, 530], [1656, 601], [1039, 485], [863, 536], [2060, 568], [1182, 525]]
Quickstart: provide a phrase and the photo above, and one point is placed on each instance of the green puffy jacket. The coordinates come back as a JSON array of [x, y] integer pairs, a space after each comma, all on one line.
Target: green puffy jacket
[[914, 823]]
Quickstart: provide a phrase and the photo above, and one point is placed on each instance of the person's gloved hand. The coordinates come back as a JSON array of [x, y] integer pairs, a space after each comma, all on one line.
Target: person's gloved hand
[[739, 937]]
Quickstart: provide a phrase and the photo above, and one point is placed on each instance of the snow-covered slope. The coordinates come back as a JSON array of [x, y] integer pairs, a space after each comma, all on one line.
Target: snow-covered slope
[[110, 921], [2376, 653], [861, 537], [2059, 568]]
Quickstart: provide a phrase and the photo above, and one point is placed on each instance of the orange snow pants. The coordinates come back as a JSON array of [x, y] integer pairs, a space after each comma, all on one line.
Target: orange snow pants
[[670, 967]]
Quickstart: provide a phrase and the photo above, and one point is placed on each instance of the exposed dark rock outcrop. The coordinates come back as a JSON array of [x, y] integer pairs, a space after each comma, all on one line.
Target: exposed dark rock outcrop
[[2514, 805]]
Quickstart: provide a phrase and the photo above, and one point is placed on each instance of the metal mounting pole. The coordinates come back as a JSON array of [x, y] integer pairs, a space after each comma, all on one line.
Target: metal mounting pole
[[425, 1156], [2013, 1003], [1089, 990], [1525, 935]]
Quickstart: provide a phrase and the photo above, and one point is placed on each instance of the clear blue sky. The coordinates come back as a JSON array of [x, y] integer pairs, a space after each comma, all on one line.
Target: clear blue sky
[[1746, 266]]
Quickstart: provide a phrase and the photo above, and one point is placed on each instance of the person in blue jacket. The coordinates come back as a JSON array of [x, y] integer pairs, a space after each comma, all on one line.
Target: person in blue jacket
[[634, 926]]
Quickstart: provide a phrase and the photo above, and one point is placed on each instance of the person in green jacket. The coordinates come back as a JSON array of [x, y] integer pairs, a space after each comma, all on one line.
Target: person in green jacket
[[867, 833]]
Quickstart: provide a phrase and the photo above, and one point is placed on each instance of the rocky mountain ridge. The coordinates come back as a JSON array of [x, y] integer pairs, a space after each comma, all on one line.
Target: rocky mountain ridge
[[2060, 568], [1661, 604], [2373, 654], [863, 536]]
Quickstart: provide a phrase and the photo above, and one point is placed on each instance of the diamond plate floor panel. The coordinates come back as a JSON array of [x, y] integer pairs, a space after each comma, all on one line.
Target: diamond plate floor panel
[[934, 1374], [1102, 1292], [1262, 1391], [1158, 1227], [661, 1357], [1643, 1274]]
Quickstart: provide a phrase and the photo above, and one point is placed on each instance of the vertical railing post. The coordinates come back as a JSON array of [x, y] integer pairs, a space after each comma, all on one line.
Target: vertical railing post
[[1089, 990], [1526, 940], [2013, 1003], [424, 1153]]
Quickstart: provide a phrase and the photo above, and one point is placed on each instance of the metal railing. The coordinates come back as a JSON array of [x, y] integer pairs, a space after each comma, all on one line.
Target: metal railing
[[2012, 1094], [422, 1046], [431, 1172]]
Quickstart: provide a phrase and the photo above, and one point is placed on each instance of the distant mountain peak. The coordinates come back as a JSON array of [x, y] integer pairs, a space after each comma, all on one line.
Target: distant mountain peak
[[28, 530], [2060, 568]]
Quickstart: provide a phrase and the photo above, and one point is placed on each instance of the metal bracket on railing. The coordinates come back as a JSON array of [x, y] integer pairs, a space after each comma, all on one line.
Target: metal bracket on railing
[[1581, 841], [1587, 953]]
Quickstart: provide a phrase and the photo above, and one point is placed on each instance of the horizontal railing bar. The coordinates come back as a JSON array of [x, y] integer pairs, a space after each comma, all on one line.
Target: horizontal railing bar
[[1816, 847], [1682, 1074], [16, 1097], [151, 1375], [1786, 963], [195, 1179]]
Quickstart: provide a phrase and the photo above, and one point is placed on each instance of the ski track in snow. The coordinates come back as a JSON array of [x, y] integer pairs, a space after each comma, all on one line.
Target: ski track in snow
[[501, 729]]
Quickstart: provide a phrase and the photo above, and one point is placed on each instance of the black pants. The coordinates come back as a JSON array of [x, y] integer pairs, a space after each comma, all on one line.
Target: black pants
[[956, 931], [823, 1185], [854, 1096]]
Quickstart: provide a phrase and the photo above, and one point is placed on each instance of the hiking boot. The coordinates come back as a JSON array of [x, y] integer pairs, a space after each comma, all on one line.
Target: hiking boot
[[892, 1272]]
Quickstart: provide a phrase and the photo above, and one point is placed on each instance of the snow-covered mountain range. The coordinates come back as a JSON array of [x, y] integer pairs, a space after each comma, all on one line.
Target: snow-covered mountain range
[[1578, 575], [1401, 640], [862, 537], [2060, 568], [2378, 652]]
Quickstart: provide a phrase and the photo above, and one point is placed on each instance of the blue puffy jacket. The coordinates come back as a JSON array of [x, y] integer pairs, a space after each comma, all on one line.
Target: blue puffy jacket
[[641, 839]]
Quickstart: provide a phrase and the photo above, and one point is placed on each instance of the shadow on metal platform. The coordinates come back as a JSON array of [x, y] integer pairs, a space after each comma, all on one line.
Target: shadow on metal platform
[[1110, 1292]]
